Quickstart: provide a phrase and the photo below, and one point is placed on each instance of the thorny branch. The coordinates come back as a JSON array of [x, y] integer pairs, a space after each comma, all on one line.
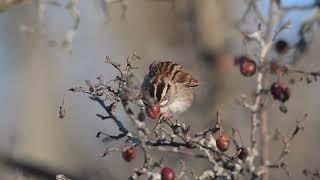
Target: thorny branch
[[281, 163], [313, 174], [71, 7], [258, 114], [176, 139], [256, 109]]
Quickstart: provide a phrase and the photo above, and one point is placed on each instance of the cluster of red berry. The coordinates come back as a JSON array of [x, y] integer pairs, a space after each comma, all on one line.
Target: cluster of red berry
[[129, 154], [223, 144], [248, 67], [279, 90]]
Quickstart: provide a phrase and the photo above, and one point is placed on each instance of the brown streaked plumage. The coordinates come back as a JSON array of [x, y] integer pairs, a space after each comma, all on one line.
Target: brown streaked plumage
[[168, 85]]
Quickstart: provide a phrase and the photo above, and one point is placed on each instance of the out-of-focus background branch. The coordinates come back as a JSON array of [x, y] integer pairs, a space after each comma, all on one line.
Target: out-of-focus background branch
[[36, 69]]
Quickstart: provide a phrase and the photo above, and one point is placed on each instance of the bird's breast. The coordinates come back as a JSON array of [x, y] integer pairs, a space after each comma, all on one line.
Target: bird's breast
[[180, 102]]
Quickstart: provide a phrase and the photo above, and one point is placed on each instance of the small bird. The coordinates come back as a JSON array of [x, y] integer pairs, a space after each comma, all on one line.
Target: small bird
[[167, 90]]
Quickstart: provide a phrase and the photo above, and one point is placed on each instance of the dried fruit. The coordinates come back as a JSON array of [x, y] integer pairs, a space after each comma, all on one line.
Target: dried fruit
[[167, 174], [280, 91], [248, 67], [153, 111], [222, 142], [281, 46], [129, 154]]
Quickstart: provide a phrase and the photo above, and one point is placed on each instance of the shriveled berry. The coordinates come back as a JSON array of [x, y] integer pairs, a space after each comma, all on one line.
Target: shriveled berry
[[282, 46], [222, 142], [167, 174], [153, 111], [129, 154], [248, 67], [242, 153], [280, 91]]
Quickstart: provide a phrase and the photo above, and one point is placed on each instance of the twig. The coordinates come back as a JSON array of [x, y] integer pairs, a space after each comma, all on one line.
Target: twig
[[281, 163], [72, 7]]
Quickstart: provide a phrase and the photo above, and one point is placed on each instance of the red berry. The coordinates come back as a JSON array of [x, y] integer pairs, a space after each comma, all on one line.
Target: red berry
[[243, 153], [281, 46], [222, 142], [153, 111], [280, 91], [247, 66], [167, 174], [129, 154]]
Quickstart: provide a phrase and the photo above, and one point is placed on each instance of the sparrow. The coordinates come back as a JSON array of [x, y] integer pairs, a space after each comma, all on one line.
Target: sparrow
[[167, 90]]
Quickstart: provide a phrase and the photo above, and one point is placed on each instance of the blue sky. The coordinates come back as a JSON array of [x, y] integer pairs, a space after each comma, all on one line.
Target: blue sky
[[296, 17]]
